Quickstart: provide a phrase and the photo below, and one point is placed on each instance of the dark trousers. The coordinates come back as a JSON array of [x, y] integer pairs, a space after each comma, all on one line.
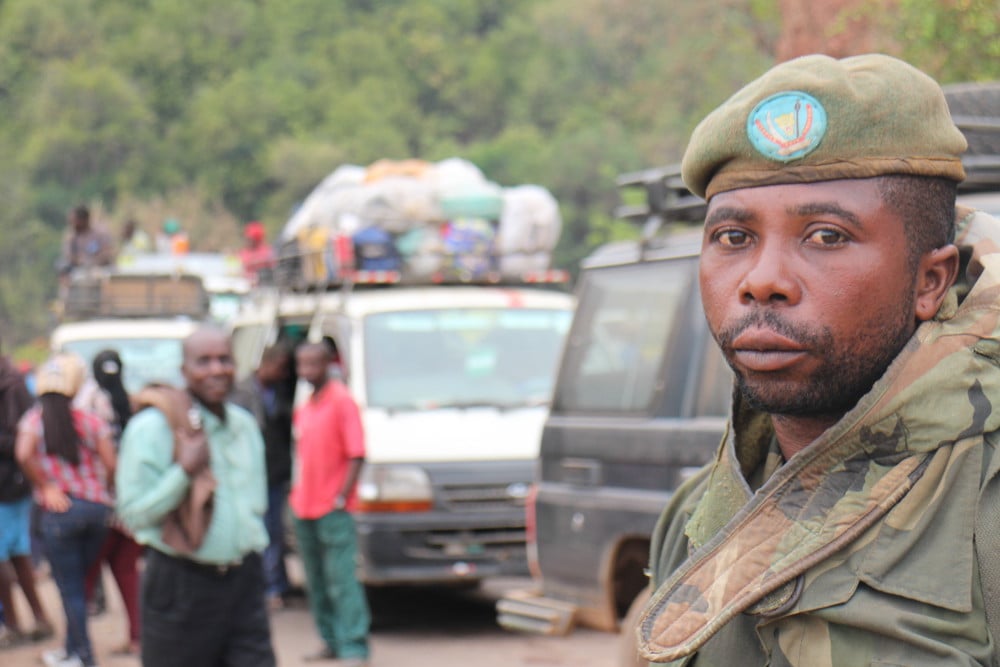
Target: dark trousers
[[121, 553], [200, 616], [275, 574], [72, 541]]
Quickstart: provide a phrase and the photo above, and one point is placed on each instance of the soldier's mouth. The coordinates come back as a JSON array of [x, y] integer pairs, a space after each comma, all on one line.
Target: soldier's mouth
[[767, 360], [765, 350]]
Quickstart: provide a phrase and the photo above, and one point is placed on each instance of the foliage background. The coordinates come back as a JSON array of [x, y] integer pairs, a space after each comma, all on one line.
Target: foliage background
[[222, 112]]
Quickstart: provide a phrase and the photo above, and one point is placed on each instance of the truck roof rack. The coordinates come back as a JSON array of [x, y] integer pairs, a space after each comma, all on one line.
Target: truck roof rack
[[667, 198], [332, 266], [98, 293], [975, 108], [668, 203]]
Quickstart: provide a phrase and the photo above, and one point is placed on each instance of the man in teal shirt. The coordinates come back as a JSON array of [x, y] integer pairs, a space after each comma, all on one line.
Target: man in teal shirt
[[206, 607]]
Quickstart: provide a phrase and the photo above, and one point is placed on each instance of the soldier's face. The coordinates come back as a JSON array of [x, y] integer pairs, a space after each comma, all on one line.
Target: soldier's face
[[808, 291]]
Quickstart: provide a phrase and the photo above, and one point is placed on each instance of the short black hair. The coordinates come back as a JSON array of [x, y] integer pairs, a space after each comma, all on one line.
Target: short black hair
[[202, 332], [926, 204], [331, 345], [319, 348], [276, 352]]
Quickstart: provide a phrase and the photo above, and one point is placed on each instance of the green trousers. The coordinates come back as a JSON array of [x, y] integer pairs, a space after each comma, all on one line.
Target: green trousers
[[328, 547]]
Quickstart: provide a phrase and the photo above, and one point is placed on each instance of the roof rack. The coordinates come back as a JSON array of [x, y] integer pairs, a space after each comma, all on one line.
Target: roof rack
[[104, 294], [332, 265], [668, 202], [666, 196], [975, 108]]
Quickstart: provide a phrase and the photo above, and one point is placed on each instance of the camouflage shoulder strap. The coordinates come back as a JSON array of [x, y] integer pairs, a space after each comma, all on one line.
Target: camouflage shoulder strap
[[788, 529], [988, 541]]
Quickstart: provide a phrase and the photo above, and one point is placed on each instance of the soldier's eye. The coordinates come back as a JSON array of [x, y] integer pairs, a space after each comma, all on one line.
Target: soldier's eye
[[826, 237], [731, 238]]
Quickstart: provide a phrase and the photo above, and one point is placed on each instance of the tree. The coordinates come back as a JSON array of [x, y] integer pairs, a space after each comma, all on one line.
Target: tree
[[27, 254], [96, 134], [222, 112], [952, 40]]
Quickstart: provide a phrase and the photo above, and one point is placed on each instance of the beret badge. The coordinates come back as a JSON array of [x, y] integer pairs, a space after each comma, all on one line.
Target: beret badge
[[787, 126]]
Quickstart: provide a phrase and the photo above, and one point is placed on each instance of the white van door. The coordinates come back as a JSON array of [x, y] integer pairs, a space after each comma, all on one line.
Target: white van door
[[252, 331]]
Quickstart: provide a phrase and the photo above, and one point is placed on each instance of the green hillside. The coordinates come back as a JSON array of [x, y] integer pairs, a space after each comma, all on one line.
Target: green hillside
[[220, 112]]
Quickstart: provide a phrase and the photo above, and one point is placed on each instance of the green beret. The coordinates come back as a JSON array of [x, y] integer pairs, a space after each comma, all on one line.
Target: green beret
[[820, 119]]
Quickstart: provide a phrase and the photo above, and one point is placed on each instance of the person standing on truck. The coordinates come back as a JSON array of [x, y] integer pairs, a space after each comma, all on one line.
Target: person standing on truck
[[134, 240], [256, 256], [329, 453], [85, 245], [202, 605], [263, 393], [172, 239], [852, 513]]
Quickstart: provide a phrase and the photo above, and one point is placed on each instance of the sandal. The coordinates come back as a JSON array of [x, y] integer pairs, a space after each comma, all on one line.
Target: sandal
[[129, 648], [11, 639], [41, 633]]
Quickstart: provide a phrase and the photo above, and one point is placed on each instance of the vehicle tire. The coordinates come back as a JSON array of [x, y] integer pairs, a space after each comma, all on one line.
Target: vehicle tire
[[628, 653]]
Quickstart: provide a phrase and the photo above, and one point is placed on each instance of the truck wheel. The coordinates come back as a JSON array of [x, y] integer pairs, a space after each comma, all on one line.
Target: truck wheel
[[628, 653]]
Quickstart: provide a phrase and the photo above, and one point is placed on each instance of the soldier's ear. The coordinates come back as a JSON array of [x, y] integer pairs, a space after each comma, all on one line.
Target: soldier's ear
[[935, 275]]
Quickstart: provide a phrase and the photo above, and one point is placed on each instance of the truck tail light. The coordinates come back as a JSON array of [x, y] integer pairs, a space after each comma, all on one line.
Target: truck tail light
[[531, 531]]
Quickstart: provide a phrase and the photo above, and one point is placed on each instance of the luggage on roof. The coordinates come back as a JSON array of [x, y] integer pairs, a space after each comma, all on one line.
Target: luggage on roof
[[421, 220]]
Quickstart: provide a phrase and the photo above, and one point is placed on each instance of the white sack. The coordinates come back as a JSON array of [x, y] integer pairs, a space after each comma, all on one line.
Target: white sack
[[530, 221]]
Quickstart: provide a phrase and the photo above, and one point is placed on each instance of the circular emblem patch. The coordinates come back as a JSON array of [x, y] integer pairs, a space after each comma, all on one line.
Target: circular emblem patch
[[787, 126]]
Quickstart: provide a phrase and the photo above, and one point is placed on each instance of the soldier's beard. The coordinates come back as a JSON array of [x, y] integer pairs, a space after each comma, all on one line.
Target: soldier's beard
[[848, 366]]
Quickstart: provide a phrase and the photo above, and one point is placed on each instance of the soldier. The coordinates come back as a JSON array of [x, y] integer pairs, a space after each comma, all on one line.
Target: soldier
[[851, 514]]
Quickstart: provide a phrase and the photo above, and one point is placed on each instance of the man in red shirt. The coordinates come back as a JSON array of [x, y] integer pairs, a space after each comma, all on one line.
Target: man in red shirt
[[329, 453], [257, 256]]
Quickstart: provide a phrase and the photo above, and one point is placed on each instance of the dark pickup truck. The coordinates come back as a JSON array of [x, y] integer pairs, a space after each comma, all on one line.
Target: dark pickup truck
[[640, 403], [642, 396]]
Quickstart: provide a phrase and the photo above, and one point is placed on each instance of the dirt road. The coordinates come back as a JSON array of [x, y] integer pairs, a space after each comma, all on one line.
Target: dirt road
[[411, 628]]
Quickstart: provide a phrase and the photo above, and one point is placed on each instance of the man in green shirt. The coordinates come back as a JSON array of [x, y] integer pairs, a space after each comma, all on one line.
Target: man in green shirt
[[852, 513], [204, 607]]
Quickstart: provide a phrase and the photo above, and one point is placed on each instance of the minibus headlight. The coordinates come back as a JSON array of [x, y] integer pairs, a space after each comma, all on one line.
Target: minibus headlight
[[393, 488]]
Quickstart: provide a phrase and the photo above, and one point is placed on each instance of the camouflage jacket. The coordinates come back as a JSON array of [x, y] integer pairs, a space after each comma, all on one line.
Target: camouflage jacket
[[879, 544]]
